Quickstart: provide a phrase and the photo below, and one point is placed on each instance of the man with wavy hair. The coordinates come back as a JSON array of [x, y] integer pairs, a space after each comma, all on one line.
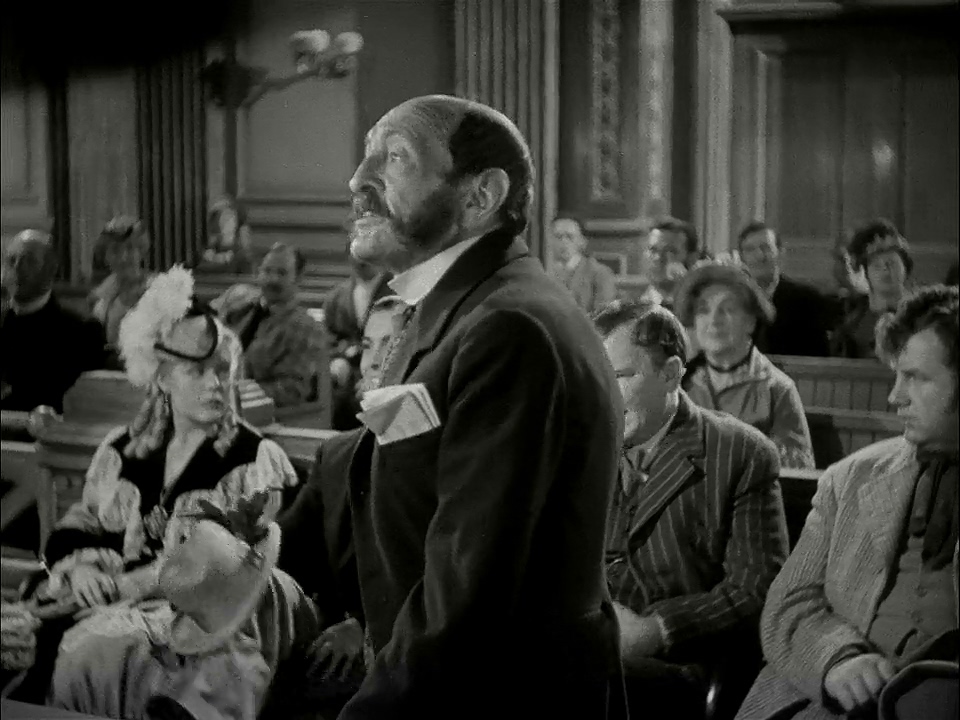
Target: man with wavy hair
[[871, 585]]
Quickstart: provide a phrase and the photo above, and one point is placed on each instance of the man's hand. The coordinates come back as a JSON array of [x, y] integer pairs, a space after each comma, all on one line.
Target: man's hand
[[338, 650], [856, 681], [340, 371], [92, 587], [639, 636]]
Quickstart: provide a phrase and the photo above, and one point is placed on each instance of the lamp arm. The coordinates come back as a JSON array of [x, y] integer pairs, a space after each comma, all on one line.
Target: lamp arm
[[275, 84]]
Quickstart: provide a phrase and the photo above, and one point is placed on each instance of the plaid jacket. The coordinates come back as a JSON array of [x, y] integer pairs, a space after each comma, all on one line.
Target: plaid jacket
[[289, 354]]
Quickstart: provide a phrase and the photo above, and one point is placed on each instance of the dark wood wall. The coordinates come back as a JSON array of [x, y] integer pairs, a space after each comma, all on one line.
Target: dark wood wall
[[834, 124], [811, 115]]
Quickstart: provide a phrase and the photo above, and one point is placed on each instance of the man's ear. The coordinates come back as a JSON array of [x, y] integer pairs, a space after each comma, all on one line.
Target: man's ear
[[672, 372], [486, 194]]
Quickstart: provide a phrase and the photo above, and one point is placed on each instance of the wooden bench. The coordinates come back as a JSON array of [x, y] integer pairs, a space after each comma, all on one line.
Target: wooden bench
[[836, 432], [798, 488], [839, 383]]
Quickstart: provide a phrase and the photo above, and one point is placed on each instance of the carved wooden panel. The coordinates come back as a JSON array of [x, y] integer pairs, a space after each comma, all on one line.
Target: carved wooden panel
[[833, 126]]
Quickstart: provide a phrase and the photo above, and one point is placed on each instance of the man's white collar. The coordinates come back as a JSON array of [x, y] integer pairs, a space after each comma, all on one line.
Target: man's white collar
[[416, 283]]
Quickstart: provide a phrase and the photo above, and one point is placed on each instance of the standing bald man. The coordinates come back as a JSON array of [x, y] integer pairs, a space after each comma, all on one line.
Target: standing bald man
[[45, 346], [479, 544]]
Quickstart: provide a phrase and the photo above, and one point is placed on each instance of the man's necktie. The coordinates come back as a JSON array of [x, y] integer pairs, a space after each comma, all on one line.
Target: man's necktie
[[398, 350], [634, 469], [936, 507]]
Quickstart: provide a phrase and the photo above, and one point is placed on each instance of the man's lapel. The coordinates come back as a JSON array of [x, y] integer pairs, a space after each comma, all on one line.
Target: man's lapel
[[446, 300], [885, 498], [677, 461]]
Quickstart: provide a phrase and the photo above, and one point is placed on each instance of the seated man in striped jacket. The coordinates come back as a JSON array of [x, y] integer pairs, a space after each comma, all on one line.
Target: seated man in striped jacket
[[696, 533]]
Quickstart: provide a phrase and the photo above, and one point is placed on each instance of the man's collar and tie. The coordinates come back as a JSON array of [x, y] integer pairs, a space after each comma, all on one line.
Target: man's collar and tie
[[412, 286], [935, 506], [638, 458], [416, 283]]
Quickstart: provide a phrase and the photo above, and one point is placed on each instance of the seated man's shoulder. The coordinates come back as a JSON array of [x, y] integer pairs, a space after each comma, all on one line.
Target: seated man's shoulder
[[873, 461], [601, 268]]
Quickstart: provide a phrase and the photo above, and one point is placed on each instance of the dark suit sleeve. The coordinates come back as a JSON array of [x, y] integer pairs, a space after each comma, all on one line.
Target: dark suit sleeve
[[316, 546], [84, 352], [498, 456], [755, 551]]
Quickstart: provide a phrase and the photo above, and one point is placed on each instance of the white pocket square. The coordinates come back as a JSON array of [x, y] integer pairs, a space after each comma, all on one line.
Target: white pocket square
[[398, 412]]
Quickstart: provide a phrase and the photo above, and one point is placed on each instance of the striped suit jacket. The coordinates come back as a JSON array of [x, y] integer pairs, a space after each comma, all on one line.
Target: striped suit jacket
[[707, 536]]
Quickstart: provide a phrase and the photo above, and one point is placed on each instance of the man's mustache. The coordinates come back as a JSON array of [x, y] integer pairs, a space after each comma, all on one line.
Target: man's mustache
[[368, 202]]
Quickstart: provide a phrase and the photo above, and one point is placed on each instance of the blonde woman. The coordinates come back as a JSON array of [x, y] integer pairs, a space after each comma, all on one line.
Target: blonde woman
[[185, 452]]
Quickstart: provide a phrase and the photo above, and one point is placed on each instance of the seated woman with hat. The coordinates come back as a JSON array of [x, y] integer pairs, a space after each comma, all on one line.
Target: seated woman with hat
[[185, 456], [726, 309], [123, 242], [881, 254]]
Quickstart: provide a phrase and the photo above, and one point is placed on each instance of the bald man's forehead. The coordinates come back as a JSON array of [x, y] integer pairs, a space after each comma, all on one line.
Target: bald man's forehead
[[25, 243], [426, 127]]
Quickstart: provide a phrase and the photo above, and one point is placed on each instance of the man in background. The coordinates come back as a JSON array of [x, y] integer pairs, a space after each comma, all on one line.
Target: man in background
[[45, 346], [345, 312], [672, 248], [801, 323], [284, 348], [591, 283]]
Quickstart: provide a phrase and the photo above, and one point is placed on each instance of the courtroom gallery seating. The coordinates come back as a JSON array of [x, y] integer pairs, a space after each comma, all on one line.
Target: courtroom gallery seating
[[845, 403]]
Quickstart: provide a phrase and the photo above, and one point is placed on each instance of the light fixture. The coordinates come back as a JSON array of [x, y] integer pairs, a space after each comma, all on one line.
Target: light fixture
[[233, 85]]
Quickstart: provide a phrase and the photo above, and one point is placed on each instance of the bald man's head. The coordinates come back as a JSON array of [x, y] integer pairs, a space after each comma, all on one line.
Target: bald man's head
[[29, 265], [438, 169]]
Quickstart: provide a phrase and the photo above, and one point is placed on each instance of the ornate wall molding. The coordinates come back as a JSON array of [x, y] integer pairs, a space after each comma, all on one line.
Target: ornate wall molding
[[656, 73], [605, 153]]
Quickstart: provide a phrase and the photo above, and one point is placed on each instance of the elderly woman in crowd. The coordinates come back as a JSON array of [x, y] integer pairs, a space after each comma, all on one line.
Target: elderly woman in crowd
[[185, 452], [878, 250], [726, 308], [123, 243]]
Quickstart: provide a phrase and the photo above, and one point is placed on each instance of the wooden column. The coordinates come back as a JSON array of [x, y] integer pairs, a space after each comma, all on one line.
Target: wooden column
[[172, 157], [711, 191], [507, 57], [102, 138]]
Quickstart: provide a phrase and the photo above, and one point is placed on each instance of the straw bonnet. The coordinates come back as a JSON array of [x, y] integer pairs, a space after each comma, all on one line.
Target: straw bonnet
[[215, 578], [717, 273]]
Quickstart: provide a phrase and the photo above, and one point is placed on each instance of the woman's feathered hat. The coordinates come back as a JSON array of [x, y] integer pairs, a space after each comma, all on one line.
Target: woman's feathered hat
[[154, 328]]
